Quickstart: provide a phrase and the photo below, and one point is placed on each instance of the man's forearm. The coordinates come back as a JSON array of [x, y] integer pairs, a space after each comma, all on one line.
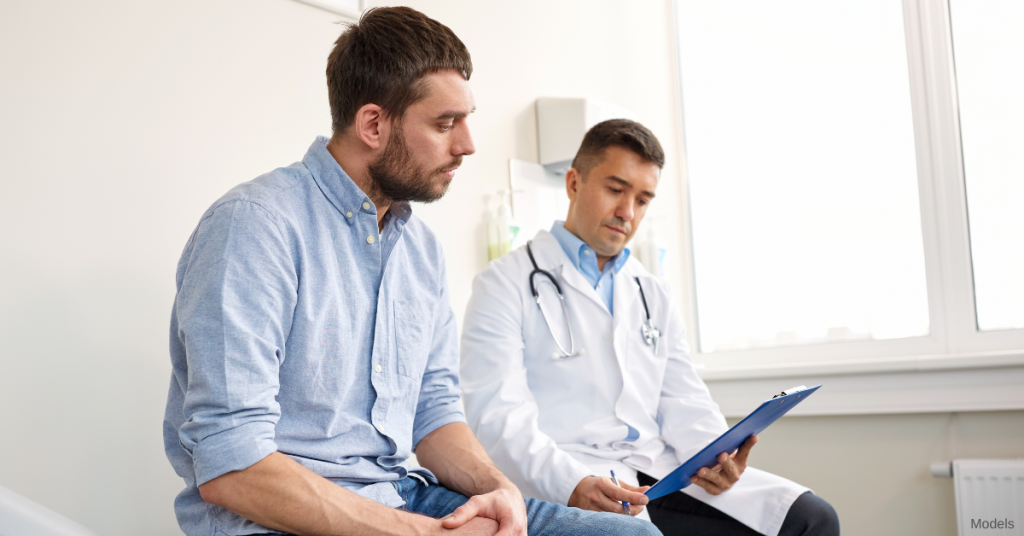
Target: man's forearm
[[280, 494], [459, 461]]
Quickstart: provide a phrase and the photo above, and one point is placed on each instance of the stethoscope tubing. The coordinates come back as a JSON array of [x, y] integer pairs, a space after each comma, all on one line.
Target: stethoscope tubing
[[561, 298], [648, 327], [643, 298]]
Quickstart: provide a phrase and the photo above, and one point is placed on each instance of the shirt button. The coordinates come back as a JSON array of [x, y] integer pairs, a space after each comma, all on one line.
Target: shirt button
[[379, 428], [586, 252], [377, 368], [348, 214], [599, 285], [370, 239], [366, 205]]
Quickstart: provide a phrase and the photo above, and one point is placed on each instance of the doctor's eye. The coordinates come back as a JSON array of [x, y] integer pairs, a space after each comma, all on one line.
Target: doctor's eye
[[615, 190], [446, 126]]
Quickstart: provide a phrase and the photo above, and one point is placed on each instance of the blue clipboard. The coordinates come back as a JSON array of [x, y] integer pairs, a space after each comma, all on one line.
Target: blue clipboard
[[752, 424]]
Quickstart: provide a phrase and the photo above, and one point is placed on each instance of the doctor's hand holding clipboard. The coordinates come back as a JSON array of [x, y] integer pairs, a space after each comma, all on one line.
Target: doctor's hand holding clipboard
[[722, 476]]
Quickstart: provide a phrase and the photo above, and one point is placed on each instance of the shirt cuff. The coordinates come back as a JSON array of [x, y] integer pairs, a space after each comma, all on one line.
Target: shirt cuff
[[436, 418], [569, 476], [232, 450]]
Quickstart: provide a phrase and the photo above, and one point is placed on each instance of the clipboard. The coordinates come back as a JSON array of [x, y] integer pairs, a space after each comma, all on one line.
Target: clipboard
[[752, 424]]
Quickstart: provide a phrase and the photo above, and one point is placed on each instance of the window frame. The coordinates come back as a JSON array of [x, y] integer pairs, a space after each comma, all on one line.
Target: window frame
[[954, 341]]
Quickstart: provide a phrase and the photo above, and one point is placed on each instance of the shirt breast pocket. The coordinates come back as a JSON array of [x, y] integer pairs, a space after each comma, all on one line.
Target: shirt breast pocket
[[413, 337]]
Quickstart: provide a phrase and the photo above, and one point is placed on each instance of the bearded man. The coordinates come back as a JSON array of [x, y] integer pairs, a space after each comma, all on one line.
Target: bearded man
[[312, 341]]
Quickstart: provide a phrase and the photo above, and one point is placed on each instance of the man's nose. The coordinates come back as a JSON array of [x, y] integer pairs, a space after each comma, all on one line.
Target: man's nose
[[463, 145], [624, 211]]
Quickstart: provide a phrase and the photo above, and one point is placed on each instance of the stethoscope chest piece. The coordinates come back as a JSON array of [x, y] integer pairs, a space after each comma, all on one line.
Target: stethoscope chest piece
[[651, 334], [555, 356]]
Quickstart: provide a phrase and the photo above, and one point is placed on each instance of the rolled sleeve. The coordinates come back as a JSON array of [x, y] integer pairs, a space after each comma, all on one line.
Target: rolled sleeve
[[234, 311], [233, 450]]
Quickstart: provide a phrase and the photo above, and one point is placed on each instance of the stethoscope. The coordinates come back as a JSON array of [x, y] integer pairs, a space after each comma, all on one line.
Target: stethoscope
[[650, 333]]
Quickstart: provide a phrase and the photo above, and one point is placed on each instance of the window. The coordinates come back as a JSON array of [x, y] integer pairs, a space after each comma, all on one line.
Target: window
[[800, 145], [827, 195], [989, 56]]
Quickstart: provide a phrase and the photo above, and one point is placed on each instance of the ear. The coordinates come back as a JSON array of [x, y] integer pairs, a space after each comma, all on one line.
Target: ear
[[572, 183], [371, 126]]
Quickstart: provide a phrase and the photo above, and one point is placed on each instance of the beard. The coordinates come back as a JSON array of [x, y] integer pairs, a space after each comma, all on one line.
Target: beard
[[396, 176]]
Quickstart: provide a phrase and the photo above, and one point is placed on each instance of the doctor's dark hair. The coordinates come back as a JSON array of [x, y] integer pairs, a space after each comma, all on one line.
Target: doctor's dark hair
[[623, 133], [383, 58]]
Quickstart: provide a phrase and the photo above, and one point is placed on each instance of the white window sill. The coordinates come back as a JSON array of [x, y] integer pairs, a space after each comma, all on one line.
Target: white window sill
[[923, 384], [861, 366]]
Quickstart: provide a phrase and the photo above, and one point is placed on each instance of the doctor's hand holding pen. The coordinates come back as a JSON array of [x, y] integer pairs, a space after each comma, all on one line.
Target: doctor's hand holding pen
[[601, 494], [722, 476]]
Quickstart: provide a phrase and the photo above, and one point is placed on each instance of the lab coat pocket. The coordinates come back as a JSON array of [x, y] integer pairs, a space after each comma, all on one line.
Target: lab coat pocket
[[412, 338]]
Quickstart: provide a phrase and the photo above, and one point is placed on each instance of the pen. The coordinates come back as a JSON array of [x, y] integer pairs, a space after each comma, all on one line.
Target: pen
[[616, 480]]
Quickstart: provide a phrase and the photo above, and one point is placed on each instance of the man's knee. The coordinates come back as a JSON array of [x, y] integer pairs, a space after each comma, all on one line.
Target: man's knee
[[646, 528], [549, 519], [629, 526], [810, 515]]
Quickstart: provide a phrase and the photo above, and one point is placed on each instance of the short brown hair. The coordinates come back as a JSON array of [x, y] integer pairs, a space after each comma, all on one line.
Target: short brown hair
[[382, 58], [621, 133]]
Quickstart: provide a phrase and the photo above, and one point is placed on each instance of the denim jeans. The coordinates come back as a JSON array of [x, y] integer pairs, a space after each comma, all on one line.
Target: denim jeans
[[544, 518]]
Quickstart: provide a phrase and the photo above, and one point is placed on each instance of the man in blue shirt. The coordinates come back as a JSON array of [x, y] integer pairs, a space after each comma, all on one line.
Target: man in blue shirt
[[312, 342]]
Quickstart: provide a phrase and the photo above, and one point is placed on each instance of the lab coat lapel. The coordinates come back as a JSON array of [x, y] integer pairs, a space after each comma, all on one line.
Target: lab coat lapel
[[624, 303], [563, 268], [625, 294]]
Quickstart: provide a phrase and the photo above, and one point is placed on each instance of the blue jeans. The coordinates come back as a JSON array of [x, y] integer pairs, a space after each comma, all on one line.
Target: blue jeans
[[544, 518]]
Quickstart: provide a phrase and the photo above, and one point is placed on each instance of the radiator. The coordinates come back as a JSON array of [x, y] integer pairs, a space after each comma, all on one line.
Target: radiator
[[989, 497]]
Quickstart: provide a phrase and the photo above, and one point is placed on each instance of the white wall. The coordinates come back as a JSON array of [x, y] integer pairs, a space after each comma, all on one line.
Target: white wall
[[874, 468], [121, 121]]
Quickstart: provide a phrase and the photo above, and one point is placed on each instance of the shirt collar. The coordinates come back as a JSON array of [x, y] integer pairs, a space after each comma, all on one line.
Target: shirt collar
[[574, 248], [339, 188]]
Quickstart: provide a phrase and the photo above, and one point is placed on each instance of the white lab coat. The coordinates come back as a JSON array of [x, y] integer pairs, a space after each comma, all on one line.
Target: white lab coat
[[548, 423]]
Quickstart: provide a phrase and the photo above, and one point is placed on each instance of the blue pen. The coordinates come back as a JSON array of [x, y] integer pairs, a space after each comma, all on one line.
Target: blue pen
[[616, 480]]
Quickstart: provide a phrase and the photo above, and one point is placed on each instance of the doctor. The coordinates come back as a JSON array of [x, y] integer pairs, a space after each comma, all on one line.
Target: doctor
[[575, 364]]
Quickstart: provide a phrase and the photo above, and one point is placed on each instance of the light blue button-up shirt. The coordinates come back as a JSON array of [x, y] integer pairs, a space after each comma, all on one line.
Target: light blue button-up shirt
[[584, 259], [298, 328]]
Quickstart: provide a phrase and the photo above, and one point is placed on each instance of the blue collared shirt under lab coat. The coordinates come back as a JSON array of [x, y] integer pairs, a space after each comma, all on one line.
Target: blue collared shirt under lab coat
[[584, 259], [298, 328]]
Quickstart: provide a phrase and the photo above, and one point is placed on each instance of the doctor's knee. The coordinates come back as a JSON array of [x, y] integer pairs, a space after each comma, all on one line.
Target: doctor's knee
[[810, 514]]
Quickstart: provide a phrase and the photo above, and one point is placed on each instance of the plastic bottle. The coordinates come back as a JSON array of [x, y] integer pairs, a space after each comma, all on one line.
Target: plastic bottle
[[650, 251], [502, 229]]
